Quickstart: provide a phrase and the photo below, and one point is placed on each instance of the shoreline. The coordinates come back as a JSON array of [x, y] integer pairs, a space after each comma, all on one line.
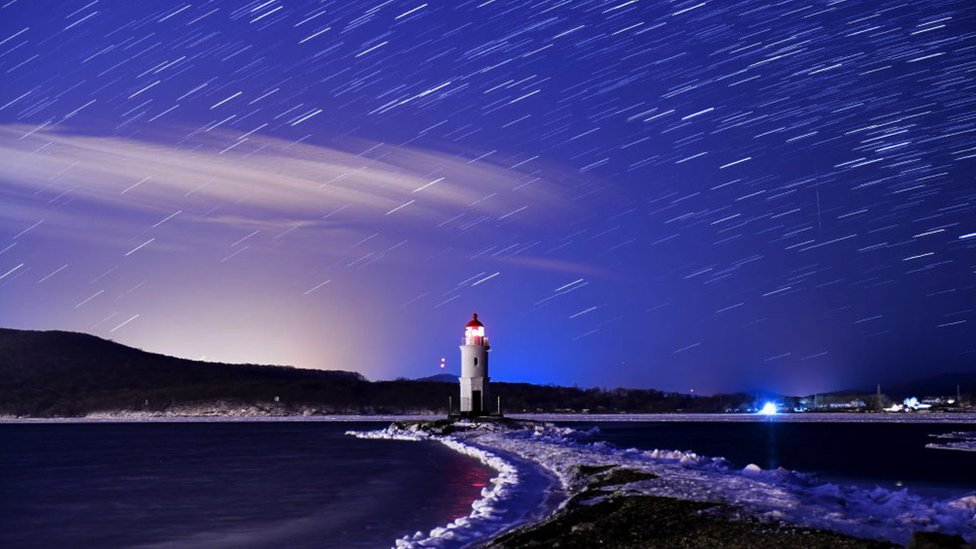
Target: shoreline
[[793, 417], [806, 417], [126, 418], [521, 494], [617, 498]]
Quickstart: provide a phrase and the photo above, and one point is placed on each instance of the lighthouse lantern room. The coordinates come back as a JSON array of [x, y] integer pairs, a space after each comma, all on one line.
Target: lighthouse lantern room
[[474, 368]]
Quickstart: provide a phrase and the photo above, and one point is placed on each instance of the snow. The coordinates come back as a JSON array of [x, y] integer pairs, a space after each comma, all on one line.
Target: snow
[[959, 440], [751, 469], [521, 492], [779, 494]]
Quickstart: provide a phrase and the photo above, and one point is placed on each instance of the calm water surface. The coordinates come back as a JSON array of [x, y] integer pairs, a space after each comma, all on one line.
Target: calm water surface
[[299, 484], [891, 455]]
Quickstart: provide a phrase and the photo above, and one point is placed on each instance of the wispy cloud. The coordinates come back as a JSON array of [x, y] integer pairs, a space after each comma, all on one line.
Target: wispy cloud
[[557, 266], [260, 180]]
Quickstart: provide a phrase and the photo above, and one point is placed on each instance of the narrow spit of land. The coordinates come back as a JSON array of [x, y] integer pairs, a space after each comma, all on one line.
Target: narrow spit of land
[[627, 499], [600, 516]]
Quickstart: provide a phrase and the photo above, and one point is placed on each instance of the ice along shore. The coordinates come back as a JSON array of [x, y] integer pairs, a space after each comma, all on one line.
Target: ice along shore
[[554, 487]]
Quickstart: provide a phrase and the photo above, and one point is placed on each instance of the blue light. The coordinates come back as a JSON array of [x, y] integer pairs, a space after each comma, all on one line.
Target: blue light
[[769, 409]]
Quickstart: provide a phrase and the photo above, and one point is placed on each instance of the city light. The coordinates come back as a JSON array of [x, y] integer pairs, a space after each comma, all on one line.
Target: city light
[[769, 409]]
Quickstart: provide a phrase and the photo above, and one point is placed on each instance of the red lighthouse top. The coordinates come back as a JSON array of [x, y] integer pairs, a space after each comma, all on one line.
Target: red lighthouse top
[[474, 332], [474, 322]]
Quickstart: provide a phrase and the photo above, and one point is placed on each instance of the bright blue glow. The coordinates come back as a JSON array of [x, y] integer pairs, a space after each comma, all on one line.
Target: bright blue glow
[[769, 409]]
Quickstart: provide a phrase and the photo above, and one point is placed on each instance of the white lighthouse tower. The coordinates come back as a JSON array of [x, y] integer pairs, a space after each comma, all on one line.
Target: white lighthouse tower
[[474, 368]]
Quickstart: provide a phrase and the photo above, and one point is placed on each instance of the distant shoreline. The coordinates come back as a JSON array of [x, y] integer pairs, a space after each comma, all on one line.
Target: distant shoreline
[[140, 417]]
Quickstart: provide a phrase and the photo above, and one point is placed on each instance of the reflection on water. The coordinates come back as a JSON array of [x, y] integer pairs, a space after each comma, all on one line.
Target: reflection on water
[[473, 479], [772, 460]]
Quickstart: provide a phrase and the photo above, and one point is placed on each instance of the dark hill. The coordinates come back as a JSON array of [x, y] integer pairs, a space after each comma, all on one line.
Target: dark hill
[[937, 385], [65, 374], [443, 378]]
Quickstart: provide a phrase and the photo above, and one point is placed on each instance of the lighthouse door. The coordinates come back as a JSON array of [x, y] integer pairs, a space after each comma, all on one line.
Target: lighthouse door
[[476, 402]]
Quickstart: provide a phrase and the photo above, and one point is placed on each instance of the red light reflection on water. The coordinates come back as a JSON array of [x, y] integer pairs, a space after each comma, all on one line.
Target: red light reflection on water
[[468, 479]]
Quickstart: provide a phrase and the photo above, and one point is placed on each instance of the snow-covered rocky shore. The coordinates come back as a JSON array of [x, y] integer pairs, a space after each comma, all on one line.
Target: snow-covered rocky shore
[[521, 451], [964, 441], [522, 492]]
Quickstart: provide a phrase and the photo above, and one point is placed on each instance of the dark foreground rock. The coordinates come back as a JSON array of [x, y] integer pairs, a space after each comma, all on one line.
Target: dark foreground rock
[[620, 522], [596, 517], [935, 540]]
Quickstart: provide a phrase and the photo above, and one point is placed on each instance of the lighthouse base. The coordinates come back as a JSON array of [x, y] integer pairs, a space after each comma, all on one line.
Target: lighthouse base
[[456, 414]]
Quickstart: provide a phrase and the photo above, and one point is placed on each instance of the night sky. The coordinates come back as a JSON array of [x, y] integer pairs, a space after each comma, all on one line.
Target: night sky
[[702, 195]]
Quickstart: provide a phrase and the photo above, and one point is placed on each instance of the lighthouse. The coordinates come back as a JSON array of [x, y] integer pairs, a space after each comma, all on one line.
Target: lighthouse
[[474, 368]]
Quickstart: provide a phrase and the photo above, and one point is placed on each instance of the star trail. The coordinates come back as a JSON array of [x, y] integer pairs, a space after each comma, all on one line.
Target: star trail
[[707, 196]]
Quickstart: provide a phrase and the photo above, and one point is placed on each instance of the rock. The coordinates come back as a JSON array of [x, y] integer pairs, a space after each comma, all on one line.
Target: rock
[[935, 540]]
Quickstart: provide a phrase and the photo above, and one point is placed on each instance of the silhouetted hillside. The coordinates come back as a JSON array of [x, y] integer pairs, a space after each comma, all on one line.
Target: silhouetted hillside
[[67, 374], [443, 378], [937, 385], [64, 374]]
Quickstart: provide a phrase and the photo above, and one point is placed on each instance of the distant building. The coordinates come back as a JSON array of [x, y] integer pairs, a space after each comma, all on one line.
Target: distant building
[[474, 368]]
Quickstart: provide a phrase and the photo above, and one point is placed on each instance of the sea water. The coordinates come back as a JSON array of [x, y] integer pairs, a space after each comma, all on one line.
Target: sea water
[[224, 484], [891, 455]]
